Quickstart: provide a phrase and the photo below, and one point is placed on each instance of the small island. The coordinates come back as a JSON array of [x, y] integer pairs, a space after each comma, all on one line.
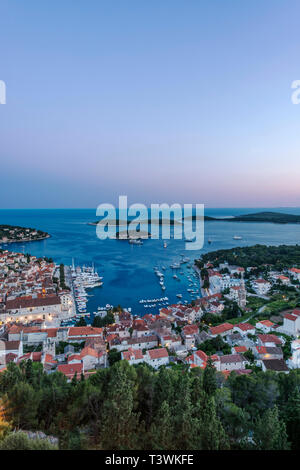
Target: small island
[[267, 216], [15, 234], [160, 222]]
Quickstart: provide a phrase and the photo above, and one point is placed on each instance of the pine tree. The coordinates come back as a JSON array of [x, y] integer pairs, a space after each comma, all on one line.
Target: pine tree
[[270, 432], [161, 437], [164, 387], [291, 415], [209, 378], [184, 420], [21, 405], [119, 420], [211, 435]]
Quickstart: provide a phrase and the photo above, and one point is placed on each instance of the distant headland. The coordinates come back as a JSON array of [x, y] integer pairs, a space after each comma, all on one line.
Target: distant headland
[[272, 217], [15, 234]]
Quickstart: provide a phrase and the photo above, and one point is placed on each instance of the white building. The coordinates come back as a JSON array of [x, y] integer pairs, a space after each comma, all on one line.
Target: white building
[[244, 329], [294, 360], [265, 325], [291, 323], [26, 309], [261, 286], [157, 357], [133, 356], [10, 347], [92, 358], [295, 273], [144, 342], [232, 362]]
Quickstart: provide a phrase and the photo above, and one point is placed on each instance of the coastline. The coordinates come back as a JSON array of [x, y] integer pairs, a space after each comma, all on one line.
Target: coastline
[[25, 240]]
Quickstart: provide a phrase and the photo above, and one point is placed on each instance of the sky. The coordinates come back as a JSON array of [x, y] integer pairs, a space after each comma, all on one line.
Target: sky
[[163, 101]]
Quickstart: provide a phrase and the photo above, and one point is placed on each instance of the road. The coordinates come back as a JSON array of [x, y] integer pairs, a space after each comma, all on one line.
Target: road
[[260, 310]]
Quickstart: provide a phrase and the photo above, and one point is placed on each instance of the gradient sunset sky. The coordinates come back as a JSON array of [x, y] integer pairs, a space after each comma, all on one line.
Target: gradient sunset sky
[[162, 100]]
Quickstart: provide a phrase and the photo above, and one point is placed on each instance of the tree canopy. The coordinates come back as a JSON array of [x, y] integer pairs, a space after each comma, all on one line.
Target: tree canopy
[[136, 407]]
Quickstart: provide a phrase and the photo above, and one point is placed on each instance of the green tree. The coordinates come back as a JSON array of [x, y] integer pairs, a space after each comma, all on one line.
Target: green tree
[[21, 405], [235, 420], [291, 416], [270, 432], [113, 356], [211, 435], [184, 421], [109, 319], [209, 378], [81, 322], [249, 355], [161, 436], [119, 429]]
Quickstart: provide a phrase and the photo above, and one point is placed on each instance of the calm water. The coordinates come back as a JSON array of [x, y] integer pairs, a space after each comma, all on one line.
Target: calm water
[[127, 269]]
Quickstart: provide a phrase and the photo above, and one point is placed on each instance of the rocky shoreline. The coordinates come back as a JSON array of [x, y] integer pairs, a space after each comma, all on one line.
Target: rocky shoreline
[[17, 234], [25, 240]]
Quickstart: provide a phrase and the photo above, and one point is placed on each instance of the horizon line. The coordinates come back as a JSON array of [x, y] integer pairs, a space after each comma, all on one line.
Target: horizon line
[[148, 207]]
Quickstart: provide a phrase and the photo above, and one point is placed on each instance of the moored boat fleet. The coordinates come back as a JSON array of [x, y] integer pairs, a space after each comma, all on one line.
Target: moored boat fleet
[[151, 303], [193, 290], [84, 278]]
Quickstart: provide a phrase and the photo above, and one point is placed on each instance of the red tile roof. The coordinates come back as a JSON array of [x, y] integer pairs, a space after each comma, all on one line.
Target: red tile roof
[[49, 359], [269, 339], [190, 329], [240, 349], [9, 345], [52, 332], [261, 349], [261, 281], [295, 270], [231, 358], [74, 357], [288, 316], [245, 326], [27, 302], [84, 331], [202, 355], [158, 353], [88, 352], [70, 369], [36, 356], [137, 353], [266, 323], [216, 330]]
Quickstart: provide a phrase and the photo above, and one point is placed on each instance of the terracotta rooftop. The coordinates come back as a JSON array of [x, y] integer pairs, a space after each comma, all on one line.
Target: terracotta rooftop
[[158, 353], [25, 302]]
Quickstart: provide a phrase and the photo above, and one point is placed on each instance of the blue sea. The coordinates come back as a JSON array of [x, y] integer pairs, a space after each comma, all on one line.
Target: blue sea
[[128, 270]]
